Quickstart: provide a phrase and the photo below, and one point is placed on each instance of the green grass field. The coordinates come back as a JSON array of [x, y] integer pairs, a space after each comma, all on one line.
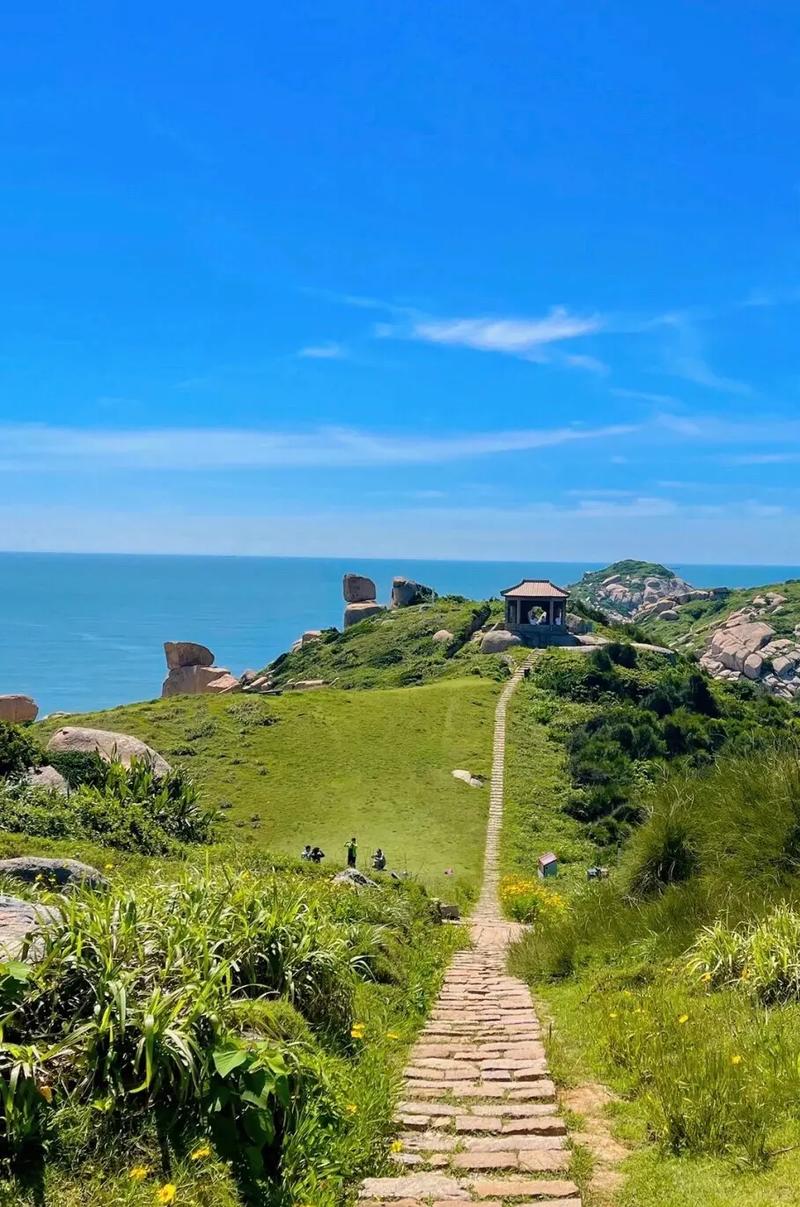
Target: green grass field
[[319, 766]]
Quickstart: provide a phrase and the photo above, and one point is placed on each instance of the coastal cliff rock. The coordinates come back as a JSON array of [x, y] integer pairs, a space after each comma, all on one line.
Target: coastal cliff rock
[[187, 653], [18, 709], [109, 745], [361, 611], [631, 590], [406, 593], [357, 588], [199, 680], [190, 671]]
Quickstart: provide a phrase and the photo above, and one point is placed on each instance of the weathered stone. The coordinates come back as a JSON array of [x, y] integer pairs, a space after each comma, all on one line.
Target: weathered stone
[[474, 781], [406, 593], [498, 640], [357, 588], [414, 1186], [354, 612], [18, 920], [47, 779], [352, 876], [199, 680], [752, 666], [29, 868], [517, 1188], [74, 739], [442, 635], [18, 709], [187, 653]]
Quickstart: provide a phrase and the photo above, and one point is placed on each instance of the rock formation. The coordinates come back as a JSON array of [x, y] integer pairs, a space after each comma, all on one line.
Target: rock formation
[[746, 646], [190, 671], [109, 745], [359, 597], [48, 779], [638, 591], [18, 709], [361, 611], [358, 588], [406, 593], [18, 920], [187, 653]]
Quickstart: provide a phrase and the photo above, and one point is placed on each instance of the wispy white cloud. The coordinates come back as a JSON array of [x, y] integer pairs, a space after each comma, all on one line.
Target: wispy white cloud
[[685, 358], [592, 364], [764, 459], [42, 448], [330, 350], [659, 400], [524, 337]]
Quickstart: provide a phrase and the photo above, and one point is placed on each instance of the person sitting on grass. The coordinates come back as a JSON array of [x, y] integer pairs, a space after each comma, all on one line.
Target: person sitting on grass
[[317, 855], [379, 861], [352, 852], [306, 852]]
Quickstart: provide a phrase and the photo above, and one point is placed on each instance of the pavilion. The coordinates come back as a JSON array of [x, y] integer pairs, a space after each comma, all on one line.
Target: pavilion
[[536, 607]]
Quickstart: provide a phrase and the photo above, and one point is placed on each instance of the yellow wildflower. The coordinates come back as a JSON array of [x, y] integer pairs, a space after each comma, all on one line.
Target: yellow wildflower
[[613, 1014], [357, 1031], [736, 1059], [392, 1034], [167, 1193], [201, 1153], [139, 1173], [706, 977], [46, 1093], [351, 1109], [683, 1018], [396, 1146], [109, 866]]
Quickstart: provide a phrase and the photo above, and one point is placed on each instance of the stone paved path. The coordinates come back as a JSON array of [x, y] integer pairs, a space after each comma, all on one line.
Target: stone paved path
[[478, 1120]]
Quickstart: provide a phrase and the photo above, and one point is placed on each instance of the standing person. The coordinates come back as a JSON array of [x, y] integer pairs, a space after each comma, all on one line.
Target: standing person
[[352, 852]]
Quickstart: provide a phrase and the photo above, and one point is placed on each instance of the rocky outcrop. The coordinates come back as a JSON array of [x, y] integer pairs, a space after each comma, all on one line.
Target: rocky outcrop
[[406, 593], [746, 646], [357, 588], [187, 653], [109, 745], [18, 709], [638, 591], [199, 680], [61, 872], [498, 640], [442, 635], [354, 612], [190, 671]]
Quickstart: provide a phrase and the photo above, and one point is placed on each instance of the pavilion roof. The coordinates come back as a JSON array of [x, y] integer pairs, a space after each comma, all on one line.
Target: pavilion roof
[[531, 588]]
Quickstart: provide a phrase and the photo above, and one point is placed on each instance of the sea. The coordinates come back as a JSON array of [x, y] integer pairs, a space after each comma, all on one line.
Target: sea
[[81, 632]]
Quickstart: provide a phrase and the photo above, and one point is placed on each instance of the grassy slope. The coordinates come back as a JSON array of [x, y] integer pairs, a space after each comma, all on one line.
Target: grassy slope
[[697, 620], [534, 822], [395, 649], [377, 764]]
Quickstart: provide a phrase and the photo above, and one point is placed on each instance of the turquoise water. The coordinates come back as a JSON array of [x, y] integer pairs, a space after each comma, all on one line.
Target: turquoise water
[[82, 632]]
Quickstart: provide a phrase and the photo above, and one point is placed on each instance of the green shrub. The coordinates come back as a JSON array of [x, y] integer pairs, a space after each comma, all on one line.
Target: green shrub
[[19, 751], [80, 768]]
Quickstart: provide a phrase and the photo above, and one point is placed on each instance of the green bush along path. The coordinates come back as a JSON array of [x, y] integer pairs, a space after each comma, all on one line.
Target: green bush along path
[[319, 766]]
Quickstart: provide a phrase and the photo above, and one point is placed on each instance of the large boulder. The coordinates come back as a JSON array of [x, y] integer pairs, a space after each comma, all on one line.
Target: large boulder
[[74, 739], [498, 640], [62, 872], [357, 588], [187, 653], [406, 593], [361, 611], [18, 709], [18, 920], [199, 680], [353, 877]]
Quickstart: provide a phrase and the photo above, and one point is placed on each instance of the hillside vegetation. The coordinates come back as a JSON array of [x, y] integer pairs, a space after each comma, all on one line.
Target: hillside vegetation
[[674, 981], [698, 619], [396, 648], [319, 766]]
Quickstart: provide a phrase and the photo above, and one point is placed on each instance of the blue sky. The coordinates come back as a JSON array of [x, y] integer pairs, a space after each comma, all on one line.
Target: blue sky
[[427, 280]]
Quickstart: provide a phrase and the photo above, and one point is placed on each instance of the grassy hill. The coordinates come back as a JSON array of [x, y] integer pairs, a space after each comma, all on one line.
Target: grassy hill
[[396, 648], [319, 766]]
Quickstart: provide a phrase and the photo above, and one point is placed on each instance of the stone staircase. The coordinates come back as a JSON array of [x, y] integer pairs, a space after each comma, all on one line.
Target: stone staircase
[[478, 1120]]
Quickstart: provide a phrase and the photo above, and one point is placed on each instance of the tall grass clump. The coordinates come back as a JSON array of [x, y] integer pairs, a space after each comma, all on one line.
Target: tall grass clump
[[225, 1005]]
